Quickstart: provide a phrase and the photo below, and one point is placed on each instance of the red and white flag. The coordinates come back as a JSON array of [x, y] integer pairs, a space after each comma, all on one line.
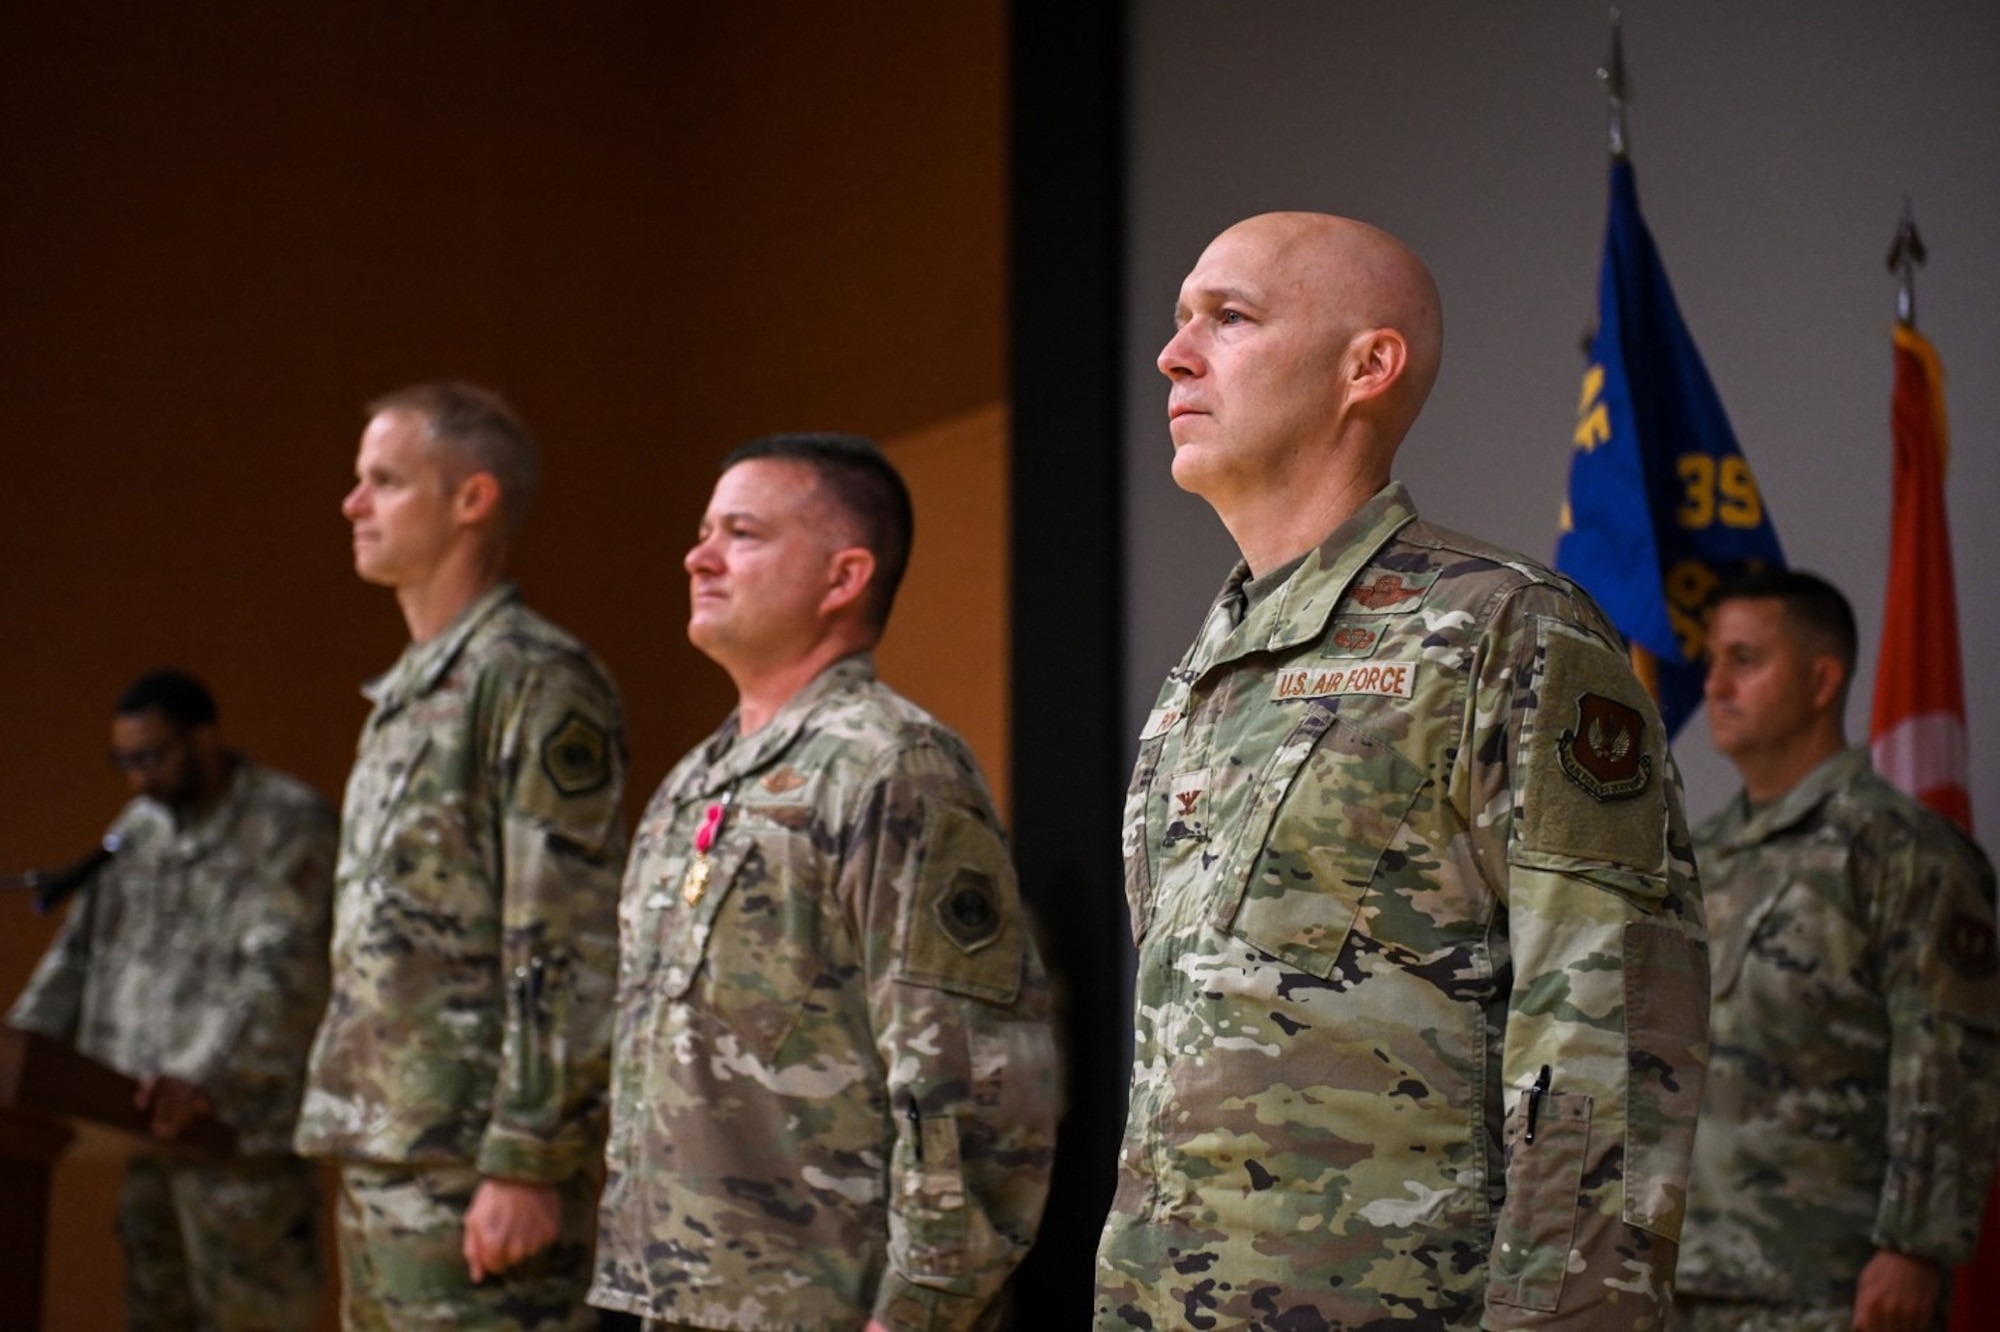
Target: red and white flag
[[1918, 731]]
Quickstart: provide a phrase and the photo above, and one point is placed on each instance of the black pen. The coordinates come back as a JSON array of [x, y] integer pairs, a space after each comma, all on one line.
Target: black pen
[[1535, 1094]]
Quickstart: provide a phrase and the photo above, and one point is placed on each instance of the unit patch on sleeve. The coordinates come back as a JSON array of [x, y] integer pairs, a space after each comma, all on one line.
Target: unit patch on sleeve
[[968, 910], [576, 755], [1605, 752]]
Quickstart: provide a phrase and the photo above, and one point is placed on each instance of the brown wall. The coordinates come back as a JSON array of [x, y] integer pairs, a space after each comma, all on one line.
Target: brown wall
[[659, 229]]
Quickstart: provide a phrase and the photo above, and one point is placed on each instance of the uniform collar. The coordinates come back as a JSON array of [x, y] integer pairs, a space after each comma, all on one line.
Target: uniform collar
[[1297, 611], [423, 665], [730, 757], [1796, 805], [212, 829]]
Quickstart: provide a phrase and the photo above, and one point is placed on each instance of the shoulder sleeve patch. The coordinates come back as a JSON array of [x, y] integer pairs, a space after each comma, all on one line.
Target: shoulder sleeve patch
[[1595, 758], [576, 756], [964, 928]]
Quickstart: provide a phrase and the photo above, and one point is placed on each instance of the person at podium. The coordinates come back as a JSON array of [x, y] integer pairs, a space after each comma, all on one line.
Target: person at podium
[[195, 961]]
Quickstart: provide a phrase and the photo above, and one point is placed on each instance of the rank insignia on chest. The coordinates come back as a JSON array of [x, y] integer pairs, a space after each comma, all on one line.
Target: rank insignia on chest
[[1186, 820], [1605, 753]]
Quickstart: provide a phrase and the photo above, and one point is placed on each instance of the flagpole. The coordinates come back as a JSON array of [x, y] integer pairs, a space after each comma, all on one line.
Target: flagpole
[[1613, 75], [1645, 664]]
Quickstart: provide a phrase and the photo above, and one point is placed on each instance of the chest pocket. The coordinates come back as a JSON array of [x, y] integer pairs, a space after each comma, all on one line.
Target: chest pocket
[[383, 776], [1319, 831], [749, 953], [1782, 921]]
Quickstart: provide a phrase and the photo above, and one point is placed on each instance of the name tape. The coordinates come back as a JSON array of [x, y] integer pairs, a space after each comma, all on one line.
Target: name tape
[[1389, 679]]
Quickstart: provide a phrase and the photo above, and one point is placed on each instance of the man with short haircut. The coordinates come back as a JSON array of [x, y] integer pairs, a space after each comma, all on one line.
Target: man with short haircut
[[1848, 1130], [1421, 985], [195, 961], [833, 1087], [459, 1076]]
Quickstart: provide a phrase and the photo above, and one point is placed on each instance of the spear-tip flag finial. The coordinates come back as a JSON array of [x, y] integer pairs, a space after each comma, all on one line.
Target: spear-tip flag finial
[[1906, 256]]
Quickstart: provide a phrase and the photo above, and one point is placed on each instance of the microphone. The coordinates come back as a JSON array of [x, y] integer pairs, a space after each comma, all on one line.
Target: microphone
[[53, 887]]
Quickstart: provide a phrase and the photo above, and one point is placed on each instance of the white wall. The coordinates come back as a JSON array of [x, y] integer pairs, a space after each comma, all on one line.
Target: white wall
[[1774, 144]]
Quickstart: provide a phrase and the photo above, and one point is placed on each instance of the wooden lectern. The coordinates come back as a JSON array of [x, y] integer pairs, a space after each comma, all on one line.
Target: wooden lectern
[[52, 1101]]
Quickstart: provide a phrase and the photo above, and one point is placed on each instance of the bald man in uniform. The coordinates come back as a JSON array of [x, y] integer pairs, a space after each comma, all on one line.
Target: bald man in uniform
[[1421, 996]]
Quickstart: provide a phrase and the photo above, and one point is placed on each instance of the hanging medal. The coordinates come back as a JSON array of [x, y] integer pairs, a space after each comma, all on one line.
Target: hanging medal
[[698, 870]]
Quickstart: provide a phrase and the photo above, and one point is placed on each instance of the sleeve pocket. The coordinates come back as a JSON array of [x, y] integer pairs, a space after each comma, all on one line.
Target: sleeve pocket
[[1537, 1227], [934, 1236]]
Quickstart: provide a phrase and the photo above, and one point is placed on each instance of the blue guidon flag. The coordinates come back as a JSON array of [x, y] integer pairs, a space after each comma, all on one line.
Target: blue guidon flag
[[1661, 504]]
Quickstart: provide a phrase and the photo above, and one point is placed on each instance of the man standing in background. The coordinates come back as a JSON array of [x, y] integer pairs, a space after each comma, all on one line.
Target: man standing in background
[[195, 961], [1853, 1103], [459, 1076]]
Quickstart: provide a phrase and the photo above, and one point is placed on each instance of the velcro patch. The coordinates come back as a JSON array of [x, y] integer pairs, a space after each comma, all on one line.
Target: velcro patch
[[1352, 637], [1605, 753], [1592, 772], [1160, 721], [782, 781], [968, 910], [1380, 591], [1389, 679], [576, 755]]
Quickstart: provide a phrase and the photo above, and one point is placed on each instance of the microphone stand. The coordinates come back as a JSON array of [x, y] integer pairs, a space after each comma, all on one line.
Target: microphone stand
[[52, 887]]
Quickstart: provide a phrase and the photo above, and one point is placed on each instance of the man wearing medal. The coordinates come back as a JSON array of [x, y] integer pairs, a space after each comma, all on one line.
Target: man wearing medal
[[833, 1075]]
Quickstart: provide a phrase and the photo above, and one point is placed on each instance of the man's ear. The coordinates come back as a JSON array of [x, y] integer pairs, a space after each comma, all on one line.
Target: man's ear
[[1376, 360], [1828, 678], [477, 500], [849, 572]]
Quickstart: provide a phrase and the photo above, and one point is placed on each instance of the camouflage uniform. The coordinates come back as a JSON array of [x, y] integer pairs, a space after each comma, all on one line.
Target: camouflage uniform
[[200, 953], [833, 1081], [1854, 1091], [1404, 845], [473, 953]]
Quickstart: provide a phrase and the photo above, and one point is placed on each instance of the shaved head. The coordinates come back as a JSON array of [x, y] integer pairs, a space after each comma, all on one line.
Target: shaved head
[[1305, 347], [1360, 277]]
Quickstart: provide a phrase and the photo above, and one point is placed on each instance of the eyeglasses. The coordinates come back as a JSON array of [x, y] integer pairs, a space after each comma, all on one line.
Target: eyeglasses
[[140, 760]]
